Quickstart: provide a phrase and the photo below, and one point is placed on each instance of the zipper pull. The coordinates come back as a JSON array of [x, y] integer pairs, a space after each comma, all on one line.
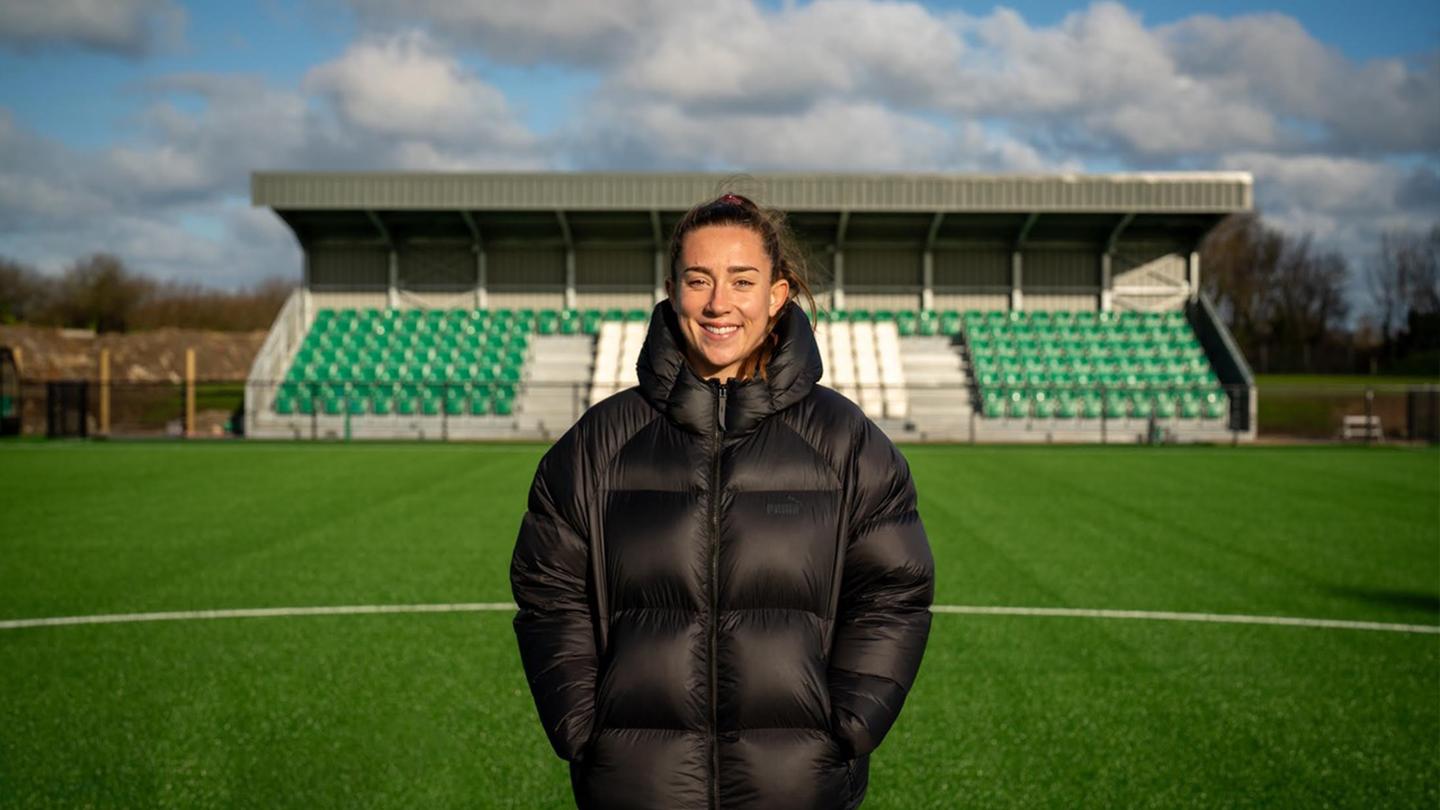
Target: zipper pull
[[720, 411]]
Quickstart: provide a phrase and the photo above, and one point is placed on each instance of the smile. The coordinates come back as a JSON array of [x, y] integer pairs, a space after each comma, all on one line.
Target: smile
[[720, 331]]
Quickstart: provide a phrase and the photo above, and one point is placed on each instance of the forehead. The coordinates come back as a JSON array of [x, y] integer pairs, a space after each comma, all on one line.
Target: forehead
[[724, 246]]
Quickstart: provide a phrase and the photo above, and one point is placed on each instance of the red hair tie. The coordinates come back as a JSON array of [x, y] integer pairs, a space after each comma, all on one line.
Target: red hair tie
[[733, 199]]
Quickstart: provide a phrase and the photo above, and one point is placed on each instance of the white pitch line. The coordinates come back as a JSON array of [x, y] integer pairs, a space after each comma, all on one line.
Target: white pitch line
[[254, 613], [476, 607], [1168, 616]]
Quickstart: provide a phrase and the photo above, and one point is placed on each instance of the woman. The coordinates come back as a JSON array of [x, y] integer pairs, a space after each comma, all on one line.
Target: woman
[[723, 583]]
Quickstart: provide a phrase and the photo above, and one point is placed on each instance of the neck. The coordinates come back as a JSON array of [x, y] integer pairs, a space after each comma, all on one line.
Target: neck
[[722, 375]]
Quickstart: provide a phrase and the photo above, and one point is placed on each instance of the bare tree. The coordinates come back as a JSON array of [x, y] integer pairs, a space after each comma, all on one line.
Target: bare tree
[[24, 293], [1279, 296], [1308, 301], [197, 307], [1403, 281], [99, 293]]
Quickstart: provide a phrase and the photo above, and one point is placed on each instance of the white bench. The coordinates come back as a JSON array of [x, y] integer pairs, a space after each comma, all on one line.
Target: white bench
[[1359, 426]]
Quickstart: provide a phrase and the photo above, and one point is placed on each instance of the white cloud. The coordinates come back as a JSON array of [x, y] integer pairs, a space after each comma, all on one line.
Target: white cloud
[[826, 135], [1345, 203], [734, 85], [406, 86], [735, 56], [533, 32], [127, 27], [1100, 82], [174, 202], [1385, 104]]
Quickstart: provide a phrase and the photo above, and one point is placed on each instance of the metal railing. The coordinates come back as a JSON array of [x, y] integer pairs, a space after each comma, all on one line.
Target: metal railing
[[495, 409]]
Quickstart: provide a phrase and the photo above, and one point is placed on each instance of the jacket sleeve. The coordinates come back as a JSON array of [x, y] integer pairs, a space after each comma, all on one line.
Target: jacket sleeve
[[548, 577], [887, 586]]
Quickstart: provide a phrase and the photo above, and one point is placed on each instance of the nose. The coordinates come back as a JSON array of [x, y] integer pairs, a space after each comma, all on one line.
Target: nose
[[719, 300]]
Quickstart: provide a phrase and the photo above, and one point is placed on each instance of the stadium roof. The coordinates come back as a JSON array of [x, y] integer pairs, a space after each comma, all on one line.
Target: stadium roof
[[599, 207]]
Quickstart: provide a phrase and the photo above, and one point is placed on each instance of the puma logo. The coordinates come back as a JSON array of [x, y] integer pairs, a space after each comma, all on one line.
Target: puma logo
[[789, 506]]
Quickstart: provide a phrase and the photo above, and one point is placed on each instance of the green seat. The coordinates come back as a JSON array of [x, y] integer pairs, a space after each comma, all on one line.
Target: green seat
[[950, 323], [1017, 405], [1043, 405], [479, 405], [1214, 404], [382, 405], [1115, 405], [405, 406], [590, 322], [992, 404]]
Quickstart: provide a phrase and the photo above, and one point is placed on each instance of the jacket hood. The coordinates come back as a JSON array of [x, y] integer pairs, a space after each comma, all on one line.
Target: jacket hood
[[673, 388]]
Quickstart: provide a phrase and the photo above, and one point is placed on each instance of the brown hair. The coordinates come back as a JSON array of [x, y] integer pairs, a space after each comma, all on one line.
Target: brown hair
[[786, 260]]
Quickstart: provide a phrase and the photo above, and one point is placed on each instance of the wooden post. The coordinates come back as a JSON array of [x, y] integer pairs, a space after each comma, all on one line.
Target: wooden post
[[189, 393], [104, 392]]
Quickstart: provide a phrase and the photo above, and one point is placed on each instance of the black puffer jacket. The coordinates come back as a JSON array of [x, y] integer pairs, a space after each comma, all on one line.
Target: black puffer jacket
[[724, 590]]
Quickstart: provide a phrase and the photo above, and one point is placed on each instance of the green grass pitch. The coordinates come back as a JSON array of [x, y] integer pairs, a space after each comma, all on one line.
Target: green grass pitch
[[432, 710]]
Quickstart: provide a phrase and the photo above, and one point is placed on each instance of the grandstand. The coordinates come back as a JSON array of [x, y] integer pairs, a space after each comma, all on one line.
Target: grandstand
[[952, 307]]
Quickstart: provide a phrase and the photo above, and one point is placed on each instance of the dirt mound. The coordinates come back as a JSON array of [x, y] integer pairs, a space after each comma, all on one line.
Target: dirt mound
[[151, 356]]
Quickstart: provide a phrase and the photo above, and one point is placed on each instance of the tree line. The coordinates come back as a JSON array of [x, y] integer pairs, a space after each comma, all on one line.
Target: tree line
[[99, 292], [1291, 306]]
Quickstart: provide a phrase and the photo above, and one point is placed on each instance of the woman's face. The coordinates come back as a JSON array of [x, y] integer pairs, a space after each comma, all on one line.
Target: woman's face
[[724, 296]]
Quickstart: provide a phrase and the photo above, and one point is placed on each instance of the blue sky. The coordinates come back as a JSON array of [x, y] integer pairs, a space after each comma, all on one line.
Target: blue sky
[[133, 129]]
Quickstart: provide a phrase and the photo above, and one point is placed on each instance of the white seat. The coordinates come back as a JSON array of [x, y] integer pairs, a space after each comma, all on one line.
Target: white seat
[[867, 370], [842, 356], [892, 370]]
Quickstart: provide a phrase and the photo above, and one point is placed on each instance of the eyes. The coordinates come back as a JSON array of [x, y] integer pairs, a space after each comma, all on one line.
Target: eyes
[[697, 282]]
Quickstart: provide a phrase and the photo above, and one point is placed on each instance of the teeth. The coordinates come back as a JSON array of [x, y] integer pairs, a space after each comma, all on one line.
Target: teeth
[[720, 330]]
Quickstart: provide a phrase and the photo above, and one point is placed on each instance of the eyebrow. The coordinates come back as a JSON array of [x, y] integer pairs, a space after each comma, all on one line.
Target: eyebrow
[[734, 268]]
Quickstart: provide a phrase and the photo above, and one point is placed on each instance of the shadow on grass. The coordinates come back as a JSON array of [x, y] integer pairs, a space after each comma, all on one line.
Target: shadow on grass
[[1428, 603]]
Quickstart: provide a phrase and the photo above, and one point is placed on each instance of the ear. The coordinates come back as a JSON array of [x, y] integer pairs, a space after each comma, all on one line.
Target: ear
[[779, 294]]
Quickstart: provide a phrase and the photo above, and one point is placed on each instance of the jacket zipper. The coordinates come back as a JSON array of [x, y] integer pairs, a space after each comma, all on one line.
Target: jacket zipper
[[720, 397]]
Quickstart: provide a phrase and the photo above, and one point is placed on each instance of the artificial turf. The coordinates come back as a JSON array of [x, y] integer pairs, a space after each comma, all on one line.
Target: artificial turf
[[432, 709]]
